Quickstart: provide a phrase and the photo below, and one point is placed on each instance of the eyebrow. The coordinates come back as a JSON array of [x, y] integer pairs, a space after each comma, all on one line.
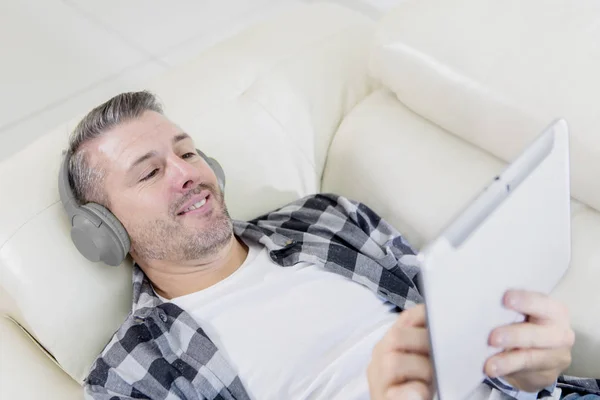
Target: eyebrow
[[142, 159], [180, 137], [150, 154]]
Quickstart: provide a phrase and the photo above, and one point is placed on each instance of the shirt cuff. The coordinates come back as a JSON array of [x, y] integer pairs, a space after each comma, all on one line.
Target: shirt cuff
[[517, 394]]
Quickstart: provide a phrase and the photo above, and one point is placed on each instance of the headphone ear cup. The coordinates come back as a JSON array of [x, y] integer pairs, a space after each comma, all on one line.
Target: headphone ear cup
[[218, 170], [107, 242], [95, 231]]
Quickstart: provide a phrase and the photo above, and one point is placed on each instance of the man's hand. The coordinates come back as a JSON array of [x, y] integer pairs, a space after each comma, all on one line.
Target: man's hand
[[400, 367], [535, 351]]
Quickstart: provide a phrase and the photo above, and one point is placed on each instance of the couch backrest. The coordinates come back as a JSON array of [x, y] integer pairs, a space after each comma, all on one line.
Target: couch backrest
[[495, 73], [265, 103]]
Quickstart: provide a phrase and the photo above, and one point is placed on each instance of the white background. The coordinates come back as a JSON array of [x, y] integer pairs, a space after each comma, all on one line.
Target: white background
[[59, 58]]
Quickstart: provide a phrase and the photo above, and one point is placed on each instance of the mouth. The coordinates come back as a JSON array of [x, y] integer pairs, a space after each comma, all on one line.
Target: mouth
[[196, 204]]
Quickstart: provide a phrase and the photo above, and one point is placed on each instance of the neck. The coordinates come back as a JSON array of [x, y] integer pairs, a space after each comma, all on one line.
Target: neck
[[174, 279]]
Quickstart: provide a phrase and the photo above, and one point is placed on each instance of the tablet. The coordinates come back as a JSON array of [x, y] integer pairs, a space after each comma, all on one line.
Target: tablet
[[515, 234]]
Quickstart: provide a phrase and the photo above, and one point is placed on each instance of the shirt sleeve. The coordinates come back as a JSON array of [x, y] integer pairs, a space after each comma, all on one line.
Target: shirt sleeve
[[95, 392]]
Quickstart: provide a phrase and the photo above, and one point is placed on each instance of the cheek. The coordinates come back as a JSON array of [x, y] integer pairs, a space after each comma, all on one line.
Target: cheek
[[151, 205], [136, 210]]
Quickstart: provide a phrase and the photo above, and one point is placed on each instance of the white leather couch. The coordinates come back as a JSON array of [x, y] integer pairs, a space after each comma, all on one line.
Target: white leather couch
[[411, 115]]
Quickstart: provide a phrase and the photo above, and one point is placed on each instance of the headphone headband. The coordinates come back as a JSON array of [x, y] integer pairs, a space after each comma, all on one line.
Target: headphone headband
[[67, 197]]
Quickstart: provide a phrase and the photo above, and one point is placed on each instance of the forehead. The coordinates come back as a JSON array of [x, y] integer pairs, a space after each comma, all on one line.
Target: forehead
[[118, 147], [151, 128]]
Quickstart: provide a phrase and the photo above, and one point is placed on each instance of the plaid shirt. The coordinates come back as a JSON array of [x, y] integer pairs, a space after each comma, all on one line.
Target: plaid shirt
[[160, 351]]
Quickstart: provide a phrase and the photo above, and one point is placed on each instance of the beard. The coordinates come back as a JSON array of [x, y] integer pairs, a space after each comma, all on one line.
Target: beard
[[172, 240]]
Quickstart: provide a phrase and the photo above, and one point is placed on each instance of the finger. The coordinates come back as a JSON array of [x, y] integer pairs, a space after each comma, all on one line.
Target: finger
[[412, 317], [536, 305], [509, 362], [532, 381], [398, 368], [410, 391], [528, 335], [400, 338]]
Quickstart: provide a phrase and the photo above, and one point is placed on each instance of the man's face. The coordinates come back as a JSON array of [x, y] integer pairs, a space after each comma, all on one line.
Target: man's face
[[163, 192]]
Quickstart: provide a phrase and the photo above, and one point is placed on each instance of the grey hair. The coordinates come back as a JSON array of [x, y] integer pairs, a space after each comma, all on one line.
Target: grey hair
[[87, 180]]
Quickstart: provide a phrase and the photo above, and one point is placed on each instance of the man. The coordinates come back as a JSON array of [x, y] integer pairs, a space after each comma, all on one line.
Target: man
[[300, 303]]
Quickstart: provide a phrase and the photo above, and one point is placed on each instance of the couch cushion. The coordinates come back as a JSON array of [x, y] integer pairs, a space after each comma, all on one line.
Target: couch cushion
[[405, 163], [264, 103], [69, 305], [495, 73], [418, 176], [281, 94]]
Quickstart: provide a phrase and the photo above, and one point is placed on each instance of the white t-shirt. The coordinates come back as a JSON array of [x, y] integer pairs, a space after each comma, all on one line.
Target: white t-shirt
[[297, 332]]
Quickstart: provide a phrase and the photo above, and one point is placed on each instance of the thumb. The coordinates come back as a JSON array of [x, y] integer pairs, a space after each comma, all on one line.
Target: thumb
[[415, 317]]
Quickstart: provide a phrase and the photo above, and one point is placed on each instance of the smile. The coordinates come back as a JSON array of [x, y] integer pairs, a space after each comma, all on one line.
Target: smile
[[196, 205]]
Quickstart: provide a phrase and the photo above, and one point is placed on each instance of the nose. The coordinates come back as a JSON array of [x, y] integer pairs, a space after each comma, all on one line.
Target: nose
[[184, 175]]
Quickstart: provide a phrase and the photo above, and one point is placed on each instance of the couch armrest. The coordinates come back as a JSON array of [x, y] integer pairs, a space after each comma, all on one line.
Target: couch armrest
[[26, 372]]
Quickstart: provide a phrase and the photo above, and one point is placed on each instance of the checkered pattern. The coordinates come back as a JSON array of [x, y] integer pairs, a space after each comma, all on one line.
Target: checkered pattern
[[161, 353], [572, 384]]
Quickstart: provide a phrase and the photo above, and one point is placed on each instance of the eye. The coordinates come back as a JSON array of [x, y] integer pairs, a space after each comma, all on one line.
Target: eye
[[150, 175], [188, 155]]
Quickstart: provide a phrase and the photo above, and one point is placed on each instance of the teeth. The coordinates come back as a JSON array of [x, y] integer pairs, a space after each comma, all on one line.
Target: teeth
[[195, 206]]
